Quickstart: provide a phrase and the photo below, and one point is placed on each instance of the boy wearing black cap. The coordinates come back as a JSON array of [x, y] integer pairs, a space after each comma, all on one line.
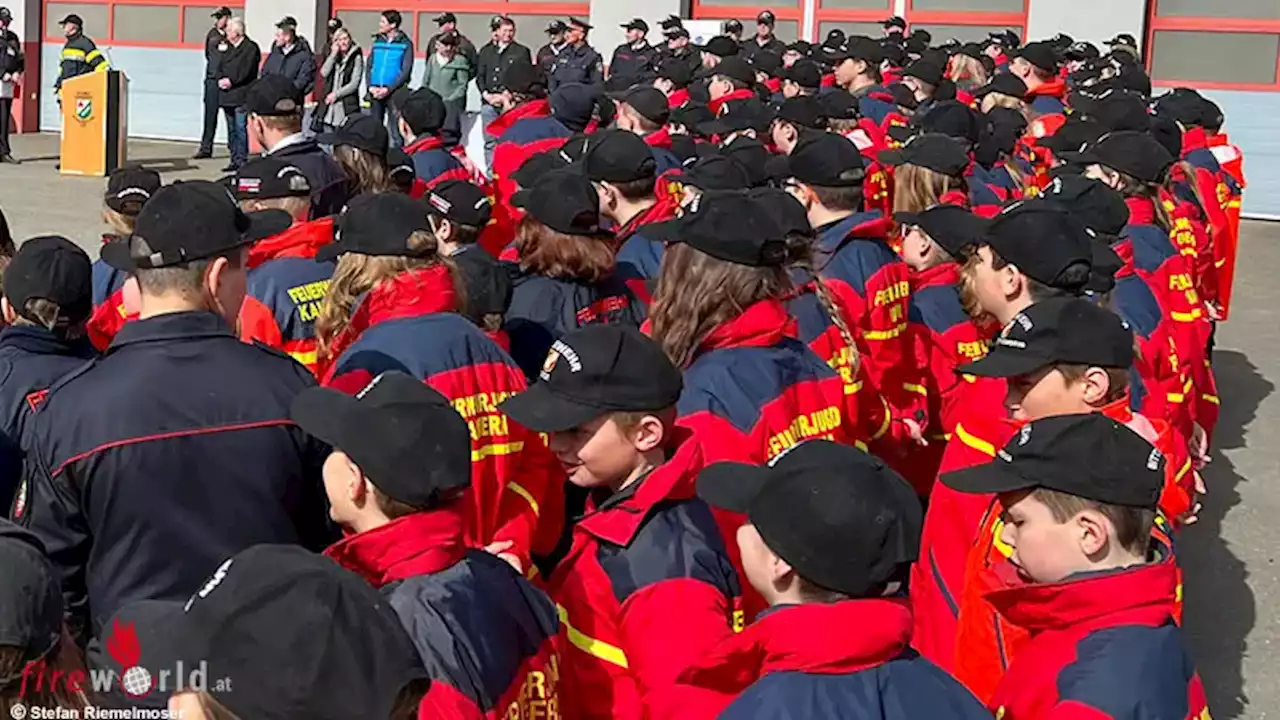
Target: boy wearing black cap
[[830, 534], [804, 77], [646, 586], [732, 79], [1037, 65], [457, 212], [275, 108], [422, 118], [286, 284], [623, 170], [400, 466], [645, 112], [857, 70], [128, 190], [1084, 576]]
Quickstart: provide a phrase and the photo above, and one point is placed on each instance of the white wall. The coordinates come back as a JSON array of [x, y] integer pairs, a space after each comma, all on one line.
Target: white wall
[[607, 17], [1092, 20], [261, 16]]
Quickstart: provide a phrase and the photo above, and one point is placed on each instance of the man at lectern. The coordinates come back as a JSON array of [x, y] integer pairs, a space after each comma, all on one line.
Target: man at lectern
[[79, 55]]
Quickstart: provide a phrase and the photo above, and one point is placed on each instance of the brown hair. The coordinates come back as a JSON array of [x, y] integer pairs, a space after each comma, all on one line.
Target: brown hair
[[1132, 524], [965, 68], [697, 293], [65, 659], [120, 223], [628, 421], [842, 125], [296, 206], [365, 171], [839, 198], [357, 274], [290, 123], [918, 188], [544, 251], [186, 278], [49, 315], [1117, 378], [1132, 187]]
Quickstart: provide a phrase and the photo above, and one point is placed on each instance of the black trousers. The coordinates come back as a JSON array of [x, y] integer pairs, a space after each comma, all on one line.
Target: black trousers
[[210, 115], [6, 106]]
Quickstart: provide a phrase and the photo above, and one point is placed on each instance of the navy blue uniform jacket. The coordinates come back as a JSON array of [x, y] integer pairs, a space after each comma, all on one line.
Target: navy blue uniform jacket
[[172, 452]]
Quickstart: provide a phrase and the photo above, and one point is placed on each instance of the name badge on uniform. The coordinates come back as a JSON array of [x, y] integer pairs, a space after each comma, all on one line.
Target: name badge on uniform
[[222, 47]]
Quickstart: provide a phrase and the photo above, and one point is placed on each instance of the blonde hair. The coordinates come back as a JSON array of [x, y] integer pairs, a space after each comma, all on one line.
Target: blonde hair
[[365, 171], [120, 224], [918, 188], [357, 274], [967, 69], [296, 206], [995, 100]]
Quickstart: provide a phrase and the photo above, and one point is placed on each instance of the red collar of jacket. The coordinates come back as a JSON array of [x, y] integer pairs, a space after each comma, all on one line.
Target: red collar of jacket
[[410, 294], [302, 240], [418, 544], [828, 80], [108, 237], [1194, 139], [743, 94], [424, 144], [660, 138], [1124, 249], [617, 519], [1140, 595], [944, 274], [531, 109], [1142, 211], [818, 638], [677, 98], [661, 211], [1053, 88], [764, 324], [774, 85]]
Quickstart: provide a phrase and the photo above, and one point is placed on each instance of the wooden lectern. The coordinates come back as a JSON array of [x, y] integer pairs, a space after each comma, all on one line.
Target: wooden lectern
[[94, 123]]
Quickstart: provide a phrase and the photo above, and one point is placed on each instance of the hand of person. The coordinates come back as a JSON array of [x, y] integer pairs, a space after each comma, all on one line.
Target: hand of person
[[224, 83], [378, 92], [498, 549], [1198, 445], [1192, 516], [328, 99], [915, 432], [16, 78], [1215, 312], [5, 77]]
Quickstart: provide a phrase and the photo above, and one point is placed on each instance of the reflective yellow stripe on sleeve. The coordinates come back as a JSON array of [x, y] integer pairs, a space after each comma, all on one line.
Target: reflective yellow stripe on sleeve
[[884, 426], [974, 441], [518, 489], [1186, 467], [72, 54], [1186, 316], [306, 357], [885, 334], [589, 645], [918, 389], [92, 55], [485, 451]]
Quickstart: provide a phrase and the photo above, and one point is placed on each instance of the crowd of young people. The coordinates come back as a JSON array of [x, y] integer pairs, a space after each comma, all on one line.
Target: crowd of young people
[[867, 379]]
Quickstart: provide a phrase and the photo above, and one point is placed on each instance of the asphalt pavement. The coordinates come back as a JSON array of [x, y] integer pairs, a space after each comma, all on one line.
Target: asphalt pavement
[[1229, 558]]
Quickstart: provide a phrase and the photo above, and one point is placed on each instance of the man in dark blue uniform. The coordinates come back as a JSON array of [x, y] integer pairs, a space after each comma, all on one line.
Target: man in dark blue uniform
[[635, 59], [215, 43], [579, 62], [150, 466]]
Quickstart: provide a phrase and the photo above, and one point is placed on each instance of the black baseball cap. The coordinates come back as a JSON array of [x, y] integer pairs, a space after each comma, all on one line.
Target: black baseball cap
[[268, 177], [269, 605], [618, 156], [128, 189], [767, 62], [555, 27], [903, 96], [954, 228], [1136, 154], [1005, 84], [1115, 110], [804, 111], [766, 17], [1046, 243], [930, 150], [1042, 55], [722, 46], [856, 47], [1005, 38], [400, 168], [1075, 134], [446, 17], [376, 224], [925, 71], [579, 23], [461, 202], [736, 115], [165, 233], [221, 12], [731, 25], [566, 202], [650, 102], [522, 78], [826, 160], [1081, 51], [424, 111], [1070, 331], [953, 119], [405, 437], [676, 71], [30, 598], [894, 22], [1124, 39], [273, 95], [736, 68], [803, 72], [840, 106], [593, 371], [538, 165], [52, 268], [363, 132], [636, 24], [1182, 104], [747, 227], [288, 21], [1093, 202], [715, 172], [840, 517], [72, 19], [1089, 456]]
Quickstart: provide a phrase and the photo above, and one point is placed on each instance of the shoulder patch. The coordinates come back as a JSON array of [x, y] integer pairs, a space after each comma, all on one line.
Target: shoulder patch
[[36, 399]]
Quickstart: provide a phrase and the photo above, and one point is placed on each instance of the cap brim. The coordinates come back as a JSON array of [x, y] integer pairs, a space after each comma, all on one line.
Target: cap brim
[[1004, 364], [901, 133], [116, 254], [328, 138], [321, 412], [1080, 158], [731, 486], [266, 223], [541, 410], [668, 231], [990, 478], [332, 251], [907, 218], [892, 157], [520, 198]]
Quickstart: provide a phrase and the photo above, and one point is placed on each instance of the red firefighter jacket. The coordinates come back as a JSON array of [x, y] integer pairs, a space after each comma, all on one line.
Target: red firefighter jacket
[[646, 589], [1102, 646], [109, 314], [847, 659], [1048, 98], [521, 133], [873, 286], [409, 323], [482, 631], [286, 289]]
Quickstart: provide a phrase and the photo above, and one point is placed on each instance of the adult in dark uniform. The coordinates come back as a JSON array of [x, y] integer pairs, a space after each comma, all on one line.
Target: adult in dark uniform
[[635, 58], [12, 65], [764, 40], [150, 466], [579, 63], [679, 49], [80, 55], [215, 43], [548, 53], [732, 28]]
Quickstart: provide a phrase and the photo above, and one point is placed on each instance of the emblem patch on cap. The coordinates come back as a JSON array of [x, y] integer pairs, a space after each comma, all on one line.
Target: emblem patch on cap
[[210, 585], [1153, 460]]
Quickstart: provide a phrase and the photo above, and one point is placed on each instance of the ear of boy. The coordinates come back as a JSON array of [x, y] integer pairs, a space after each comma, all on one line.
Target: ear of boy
[[10, 316]]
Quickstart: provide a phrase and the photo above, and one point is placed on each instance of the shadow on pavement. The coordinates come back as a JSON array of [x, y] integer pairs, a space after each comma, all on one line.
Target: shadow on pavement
[[1221, 608]]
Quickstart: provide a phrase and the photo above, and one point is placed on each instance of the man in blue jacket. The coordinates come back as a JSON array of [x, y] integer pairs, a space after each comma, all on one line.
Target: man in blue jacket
[[388, 70], [177, 443], [291, 57]]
